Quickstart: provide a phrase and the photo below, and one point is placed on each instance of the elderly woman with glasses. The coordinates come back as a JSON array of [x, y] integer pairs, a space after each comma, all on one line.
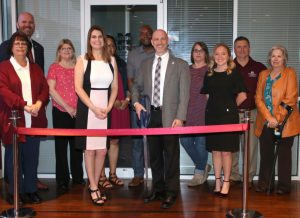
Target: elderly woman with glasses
[[23, 87]]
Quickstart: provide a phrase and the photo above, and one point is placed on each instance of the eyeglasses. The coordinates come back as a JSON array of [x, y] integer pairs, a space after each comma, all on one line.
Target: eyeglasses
[[20, 44], [199, 51], [67, 49]]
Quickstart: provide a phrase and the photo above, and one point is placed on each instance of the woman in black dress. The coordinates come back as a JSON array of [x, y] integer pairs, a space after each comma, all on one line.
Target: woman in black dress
[[225, 91]]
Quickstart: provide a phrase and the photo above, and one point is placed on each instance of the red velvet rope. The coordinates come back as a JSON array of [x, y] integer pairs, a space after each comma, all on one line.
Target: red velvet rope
[[127, 132]]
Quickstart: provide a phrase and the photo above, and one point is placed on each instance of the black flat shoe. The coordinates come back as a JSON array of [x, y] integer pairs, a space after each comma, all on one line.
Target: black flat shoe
[[168, 202], [10, 199], [282, 192], [155, 196], [260, 189], [33, 198]]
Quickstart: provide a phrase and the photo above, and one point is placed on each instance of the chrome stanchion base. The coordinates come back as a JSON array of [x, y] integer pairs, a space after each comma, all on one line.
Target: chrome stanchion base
[[238, 213], [24, 212]]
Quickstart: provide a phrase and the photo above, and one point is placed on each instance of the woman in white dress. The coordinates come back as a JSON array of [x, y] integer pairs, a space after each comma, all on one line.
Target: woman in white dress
[[96, 85]]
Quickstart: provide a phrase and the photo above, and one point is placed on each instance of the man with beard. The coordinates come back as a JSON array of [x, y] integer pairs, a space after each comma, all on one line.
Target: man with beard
[[26, 25], [135, 58], [166, 80]]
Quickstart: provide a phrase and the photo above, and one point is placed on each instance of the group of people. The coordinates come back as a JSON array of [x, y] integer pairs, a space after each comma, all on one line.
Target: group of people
[[95, 90]]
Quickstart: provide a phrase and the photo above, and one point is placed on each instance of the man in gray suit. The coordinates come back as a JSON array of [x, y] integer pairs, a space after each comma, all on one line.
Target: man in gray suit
[[166, 80]]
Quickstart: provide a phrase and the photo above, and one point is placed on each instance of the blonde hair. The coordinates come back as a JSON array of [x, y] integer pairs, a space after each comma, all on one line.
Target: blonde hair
[[284, 53], [212, 64], [60, 45]]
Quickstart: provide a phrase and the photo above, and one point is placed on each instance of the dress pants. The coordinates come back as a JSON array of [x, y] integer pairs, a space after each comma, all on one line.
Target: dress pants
[[62, 120], [164, 158], [253, 152], [284, 160], [28, 164]]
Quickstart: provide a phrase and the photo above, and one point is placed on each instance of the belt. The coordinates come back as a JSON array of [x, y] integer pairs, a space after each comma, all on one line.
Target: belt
[[156, 108]]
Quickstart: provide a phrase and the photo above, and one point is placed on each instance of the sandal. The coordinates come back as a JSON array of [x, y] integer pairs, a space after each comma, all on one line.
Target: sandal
[[215, 190], [115, 180], [104, 183], [98, 200], [103, 196]]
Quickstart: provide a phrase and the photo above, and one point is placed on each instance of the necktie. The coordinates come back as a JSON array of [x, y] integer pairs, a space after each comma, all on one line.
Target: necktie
[[156, 91], [30, 57]]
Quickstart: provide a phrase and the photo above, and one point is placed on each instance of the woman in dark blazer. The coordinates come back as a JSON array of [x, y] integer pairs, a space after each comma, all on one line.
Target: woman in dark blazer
[[23, 87]]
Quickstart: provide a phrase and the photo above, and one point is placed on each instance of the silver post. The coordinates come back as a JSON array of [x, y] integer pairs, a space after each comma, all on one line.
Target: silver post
[[246, 120], [244, 213], [16, 212], [14, 117]]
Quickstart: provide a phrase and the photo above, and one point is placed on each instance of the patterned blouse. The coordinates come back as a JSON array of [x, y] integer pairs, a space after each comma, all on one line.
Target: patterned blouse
[[65, 86], [268, 92]]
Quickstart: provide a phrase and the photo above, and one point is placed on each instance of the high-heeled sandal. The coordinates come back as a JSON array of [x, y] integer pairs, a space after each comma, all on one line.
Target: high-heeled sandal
[[218, 191], [98, 200], [224, 195], [115, 180], [104, 183]]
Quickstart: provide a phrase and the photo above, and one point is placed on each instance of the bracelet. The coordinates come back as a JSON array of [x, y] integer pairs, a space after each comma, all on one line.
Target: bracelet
[[127, 99]]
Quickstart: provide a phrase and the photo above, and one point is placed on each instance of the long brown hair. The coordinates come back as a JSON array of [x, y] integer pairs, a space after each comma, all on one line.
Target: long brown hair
[[89, 54], [230, 63]]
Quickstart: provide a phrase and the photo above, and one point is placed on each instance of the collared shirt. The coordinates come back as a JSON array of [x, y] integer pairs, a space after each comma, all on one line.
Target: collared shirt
[[163, 69], [135, 58], [250, 74], [24, 75]]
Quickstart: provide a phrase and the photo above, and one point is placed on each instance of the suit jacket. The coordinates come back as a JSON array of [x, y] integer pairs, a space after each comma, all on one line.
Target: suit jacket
[[176, 88], [11, 98], [285, 89], [38, 53]]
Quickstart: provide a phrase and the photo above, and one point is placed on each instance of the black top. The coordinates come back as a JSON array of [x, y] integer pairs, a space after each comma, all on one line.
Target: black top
[[221, 108]]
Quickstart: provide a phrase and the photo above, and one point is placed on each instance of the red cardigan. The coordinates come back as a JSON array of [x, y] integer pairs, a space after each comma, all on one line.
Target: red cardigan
[[11, 98]]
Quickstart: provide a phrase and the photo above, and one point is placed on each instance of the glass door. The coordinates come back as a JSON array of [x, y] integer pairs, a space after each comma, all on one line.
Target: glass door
[[122, 19]]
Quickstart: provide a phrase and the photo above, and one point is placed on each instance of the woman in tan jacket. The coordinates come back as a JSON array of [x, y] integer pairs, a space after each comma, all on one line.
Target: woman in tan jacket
[[276, 85]]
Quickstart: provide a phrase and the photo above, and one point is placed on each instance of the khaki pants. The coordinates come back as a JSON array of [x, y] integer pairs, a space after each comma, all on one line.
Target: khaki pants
[[253, 152]]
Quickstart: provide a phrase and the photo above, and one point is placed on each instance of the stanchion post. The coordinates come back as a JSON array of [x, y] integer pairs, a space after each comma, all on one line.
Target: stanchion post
[[244, 213], [16, 212]]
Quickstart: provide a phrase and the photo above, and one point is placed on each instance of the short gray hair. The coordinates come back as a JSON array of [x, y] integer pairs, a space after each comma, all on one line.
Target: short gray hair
[[284, 52]]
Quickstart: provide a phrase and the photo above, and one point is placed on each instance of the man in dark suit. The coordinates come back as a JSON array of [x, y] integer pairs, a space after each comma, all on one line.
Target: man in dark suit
[[166, 80], [26, 25]]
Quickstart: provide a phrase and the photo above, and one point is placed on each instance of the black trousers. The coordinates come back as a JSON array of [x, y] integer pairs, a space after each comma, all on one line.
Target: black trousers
[[267, 147], [63, 120], [164, 158]]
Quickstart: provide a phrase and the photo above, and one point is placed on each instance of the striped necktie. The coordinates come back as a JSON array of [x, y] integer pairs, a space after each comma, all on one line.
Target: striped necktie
[[156, 91]]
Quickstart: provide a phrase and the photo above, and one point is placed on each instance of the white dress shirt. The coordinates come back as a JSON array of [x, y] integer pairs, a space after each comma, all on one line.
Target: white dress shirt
[[24, 75]]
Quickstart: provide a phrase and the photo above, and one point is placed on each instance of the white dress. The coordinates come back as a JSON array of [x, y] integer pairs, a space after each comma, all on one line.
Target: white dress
[[97, 80]]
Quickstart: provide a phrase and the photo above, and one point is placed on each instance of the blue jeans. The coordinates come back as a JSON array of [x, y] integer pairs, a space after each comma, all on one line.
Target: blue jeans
[[137, 149], [196, 149]]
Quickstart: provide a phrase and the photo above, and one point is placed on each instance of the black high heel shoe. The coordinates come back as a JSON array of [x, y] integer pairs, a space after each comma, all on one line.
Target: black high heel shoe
[[218, 191], [224, 195], [98, 200]]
